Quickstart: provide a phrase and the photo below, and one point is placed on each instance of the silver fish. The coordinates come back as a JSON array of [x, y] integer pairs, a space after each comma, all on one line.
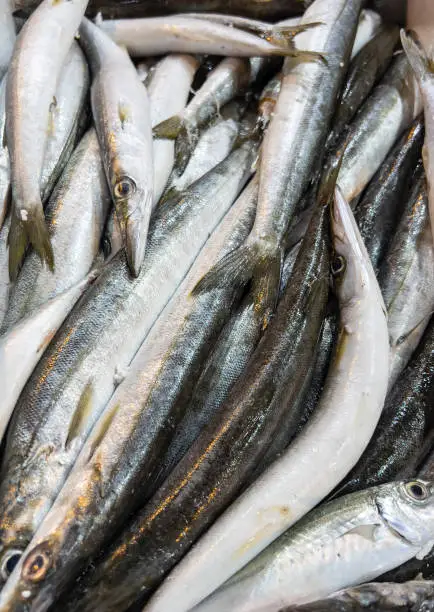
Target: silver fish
[[335, 436], [7, 35], [347, 541], [4, 273], [5, 168], [122, 115], [369, 24], [30, 96], [76, 216]]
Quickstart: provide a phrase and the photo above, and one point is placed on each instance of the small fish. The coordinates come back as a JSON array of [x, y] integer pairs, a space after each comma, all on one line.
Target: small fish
[[7, 35], [122, 116], [30, 93]]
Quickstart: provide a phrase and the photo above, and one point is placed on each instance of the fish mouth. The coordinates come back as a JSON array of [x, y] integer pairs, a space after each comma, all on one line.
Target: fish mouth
[[393, 524]]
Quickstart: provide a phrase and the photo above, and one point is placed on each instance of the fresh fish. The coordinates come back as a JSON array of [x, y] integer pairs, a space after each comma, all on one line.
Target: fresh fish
[[414, 596], [424, 71], [212, 472], [296, 133], [368, 26], [4, 273], [335, 436], [381, 206], [7, 35], [365, 70], [137, 422], [89, 355], [5, 170], [390, 109], [407, 417], [168, 92], [123, 124], [340, 544], [406, 276], [178, 34], [264, 28], [76, 215], [23, 346], [30, 101]]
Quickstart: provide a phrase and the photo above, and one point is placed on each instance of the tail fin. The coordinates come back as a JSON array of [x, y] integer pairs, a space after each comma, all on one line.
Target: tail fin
[[185, 143], [419, 61], [284, 35], [33, 229], [169, 128]]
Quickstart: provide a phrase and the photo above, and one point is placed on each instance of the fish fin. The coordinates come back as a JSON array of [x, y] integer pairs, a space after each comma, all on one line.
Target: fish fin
[[369, 532], [17, 242], [302, 56], [169, 128], [185, 143], [38, 236], [103, 429], [81, 414], [419, 60], [235, 268], [123, 114], [284, 35], [265, 286]]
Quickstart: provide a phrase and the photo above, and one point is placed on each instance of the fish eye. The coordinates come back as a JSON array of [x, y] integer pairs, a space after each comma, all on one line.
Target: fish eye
[[36, 565], [124, 188], [338, 265], [9, 563], [416, 490]]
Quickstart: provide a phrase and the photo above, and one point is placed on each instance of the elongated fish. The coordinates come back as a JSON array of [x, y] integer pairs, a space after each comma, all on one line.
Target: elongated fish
[[30, 97], [340, 544], [23, 346], [406, 276], [137, 422], [178, 34], [296, 133], [423, 69], [7, 35], [88, 357], [212, 472], [168, 92], [335, 436], [76, 216], [407, 417], [122, 115], [380, 209], [368, 26]]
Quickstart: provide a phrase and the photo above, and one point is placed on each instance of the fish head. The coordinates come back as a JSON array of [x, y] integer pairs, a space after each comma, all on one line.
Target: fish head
[[408, 510]]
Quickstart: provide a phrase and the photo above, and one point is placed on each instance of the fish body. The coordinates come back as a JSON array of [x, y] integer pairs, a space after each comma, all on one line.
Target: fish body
[[5, 168], [367, 28], [76, 215], [340, 544], [336, 435], [4, 273], [30, 97], [7, 36], [379, 211], [123, 124], [90, 354]]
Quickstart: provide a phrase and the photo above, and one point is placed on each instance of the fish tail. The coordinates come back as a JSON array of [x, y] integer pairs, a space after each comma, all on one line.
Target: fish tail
[[169, 128], [31, 230], [284, 35], [419, 60], [185, 144]]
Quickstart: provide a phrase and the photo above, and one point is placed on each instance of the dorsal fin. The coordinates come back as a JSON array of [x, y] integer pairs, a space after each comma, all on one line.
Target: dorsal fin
[[102, 430], [81, 414]]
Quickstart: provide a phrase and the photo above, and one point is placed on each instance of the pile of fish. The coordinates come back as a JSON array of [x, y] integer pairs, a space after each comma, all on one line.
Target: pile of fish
[[216, 312]]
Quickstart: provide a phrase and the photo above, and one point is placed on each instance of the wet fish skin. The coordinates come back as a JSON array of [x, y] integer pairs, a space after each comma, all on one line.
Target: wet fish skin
[[30, 96], [89, 355], [365, 70], [381, 206], [4, 273], [264, 28], [123, 124], [7, 36], [406, 275], [360, 534], [406, 420], [5, 168], [75, 215]]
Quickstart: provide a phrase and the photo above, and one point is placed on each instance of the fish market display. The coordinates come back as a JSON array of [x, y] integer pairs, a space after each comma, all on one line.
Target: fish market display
[[216, 306]]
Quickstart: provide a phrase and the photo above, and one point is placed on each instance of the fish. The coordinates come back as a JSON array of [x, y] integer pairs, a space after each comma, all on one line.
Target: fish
[[141, 416], [406, 275], [4, 273], [415, 595], [379, 211], [208, 477], [264, 28], [76, 216], [90, 354], [369, 23], [336, 435], [7, 36], [168, 91], [365, 70], [390, 109], [340, 544], [422, 65], [123, 124], [293, 138], [32, 77], [177, 34], [405, 422], [24, 344], [5, 169]]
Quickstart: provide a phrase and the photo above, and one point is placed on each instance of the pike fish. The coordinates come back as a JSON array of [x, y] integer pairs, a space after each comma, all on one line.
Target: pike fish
[[30, 98], [336, 435]]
